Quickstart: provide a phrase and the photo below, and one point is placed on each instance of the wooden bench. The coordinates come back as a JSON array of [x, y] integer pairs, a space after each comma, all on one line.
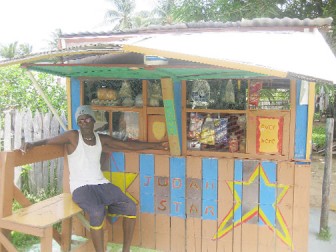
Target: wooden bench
[[37, 219]]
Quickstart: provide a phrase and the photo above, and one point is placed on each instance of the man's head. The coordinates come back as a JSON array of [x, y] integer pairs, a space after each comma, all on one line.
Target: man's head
[[84, 112]]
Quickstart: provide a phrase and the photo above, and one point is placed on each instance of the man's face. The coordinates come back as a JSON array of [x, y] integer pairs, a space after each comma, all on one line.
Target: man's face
[[85, 122]]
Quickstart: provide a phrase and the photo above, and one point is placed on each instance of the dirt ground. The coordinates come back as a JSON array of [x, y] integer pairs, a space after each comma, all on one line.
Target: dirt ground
[[317, 172]]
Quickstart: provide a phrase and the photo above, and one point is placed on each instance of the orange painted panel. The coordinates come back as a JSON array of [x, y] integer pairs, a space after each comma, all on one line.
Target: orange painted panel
[[249, 235], [209, 228], [285, 177], [237, 239], [162, 232], [147, 227], [225, 204], [301, 207], [178, 235], [161, 165], [132, 162], [266, 239], [194, 235]]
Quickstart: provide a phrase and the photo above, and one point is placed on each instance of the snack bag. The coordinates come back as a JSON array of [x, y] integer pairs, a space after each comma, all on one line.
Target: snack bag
[[195, 126], [221, 136], [208, 132], [255, 88]]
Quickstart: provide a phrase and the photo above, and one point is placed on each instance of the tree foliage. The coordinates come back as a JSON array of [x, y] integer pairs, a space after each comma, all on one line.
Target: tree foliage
[[18, 91], [55, 36], [15, 49], [121, 14]]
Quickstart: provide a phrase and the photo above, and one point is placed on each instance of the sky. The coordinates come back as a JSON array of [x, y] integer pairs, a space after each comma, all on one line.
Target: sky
[[33, 21]]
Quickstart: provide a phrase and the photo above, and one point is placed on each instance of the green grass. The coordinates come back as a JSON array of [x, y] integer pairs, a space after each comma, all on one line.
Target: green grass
[[24, 241], [324, 235], [319, 136]]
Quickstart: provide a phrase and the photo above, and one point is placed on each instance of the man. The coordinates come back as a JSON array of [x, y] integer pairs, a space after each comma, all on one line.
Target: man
[[89, 188]]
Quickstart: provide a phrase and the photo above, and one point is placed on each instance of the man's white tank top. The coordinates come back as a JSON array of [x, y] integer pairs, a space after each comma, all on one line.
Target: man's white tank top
[[84, 164]]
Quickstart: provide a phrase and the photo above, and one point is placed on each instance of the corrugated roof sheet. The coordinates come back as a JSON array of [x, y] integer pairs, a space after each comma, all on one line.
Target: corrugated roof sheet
[[244, 23], [302, 55], [285, 53]]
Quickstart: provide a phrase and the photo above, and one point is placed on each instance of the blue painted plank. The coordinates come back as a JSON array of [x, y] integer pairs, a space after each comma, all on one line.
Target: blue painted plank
[[238, 170], [209, 209], [238, 188], [268, 193], [146, 183], [117, 162], [210, 188], [209, 169], [177, 187], [75, 100], [300, 126]]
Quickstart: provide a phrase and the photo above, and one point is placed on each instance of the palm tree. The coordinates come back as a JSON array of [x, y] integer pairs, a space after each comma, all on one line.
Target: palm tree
[[122, 15], [142, 19], [25, 49], [9, 51], [14, 49], [55, 36], [164, 11]]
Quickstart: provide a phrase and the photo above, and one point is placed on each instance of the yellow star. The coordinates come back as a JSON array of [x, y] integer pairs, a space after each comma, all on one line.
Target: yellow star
[[238, 217], [123, 180]]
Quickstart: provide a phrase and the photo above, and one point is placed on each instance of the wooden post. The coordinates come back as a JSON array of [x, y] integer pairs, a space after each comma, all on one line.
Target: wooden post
[[327, 175]]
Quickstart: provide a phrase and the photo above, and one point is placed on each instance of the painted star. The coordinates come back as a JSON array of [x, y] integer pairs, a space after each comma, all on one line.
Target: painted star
[[123, 180], [269, 213]]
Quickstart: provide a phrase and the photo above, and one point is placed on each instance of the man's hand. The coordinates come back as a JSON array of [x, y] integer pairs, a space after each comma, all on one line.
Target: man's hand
[[163, 146]]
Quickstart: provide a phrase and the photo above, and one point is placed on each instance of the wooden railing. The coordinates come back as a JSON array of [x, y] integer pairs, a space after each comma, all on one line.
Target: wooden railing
[[38, 218]]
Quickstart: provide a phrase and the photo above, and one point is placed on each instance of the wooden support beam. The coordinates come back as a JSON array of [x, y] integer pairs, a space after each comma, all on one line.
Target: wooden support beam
[[170, 113]]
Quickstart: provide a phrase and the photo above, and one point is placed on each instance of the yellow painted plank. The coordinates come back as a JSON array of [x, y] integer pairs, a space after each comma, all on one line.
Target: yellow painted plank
[[311, 109], [47, 212], [205, 60]]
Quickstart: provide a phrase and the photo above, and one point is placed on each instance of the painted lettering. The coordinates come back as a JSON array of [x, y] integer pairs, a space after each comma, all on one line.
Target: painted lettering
[[148, 179], [207, 185], [209, 210], [193, 209], [268, 141], [163, 181], [193, 184], [162, 205], [267, 127], [177, 183], [177, 206]]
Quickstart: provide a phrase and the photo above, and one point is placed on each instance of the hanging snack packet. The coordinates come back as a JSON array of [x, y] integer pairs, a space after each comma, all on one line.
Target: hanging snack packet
[[195, 126], [208, 132], [221, 136], [255, 88]]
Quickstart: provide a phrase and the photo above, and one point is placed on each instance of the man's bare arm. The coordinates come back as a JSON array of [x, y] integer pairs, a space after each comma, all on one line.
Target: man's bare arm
[[111, 144], [65, 138]]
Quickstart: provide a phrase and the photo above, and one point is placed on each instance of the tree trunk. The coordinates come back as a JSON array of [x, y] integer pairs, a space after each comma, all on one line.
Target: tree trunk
[[327, 175]]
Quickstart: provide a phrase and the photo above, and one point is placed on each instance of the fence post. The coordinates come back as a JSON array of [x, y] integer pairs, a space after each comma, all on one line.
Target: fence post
[[8, 130], [327, 175], [17, 144]]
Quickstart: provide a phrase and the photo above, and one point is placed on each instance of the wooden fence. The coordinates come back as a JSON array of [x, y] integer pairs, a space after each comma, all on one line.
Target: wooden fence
[[18, 126]]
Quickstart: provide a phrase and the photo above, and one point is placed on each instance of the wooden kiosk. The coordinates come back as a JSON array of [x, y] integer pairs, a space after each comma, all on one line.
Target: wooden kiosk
[[236, 103]]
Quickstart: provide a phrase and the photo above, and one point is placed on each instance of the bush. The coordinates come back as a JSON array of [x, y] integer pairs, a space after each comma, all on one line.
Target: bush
[[319, 136]]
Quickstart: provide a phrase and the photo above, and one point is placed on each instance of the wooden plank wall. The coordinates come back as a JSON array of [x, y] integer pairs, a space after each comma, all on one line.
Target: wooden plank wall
[[210, 204]]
